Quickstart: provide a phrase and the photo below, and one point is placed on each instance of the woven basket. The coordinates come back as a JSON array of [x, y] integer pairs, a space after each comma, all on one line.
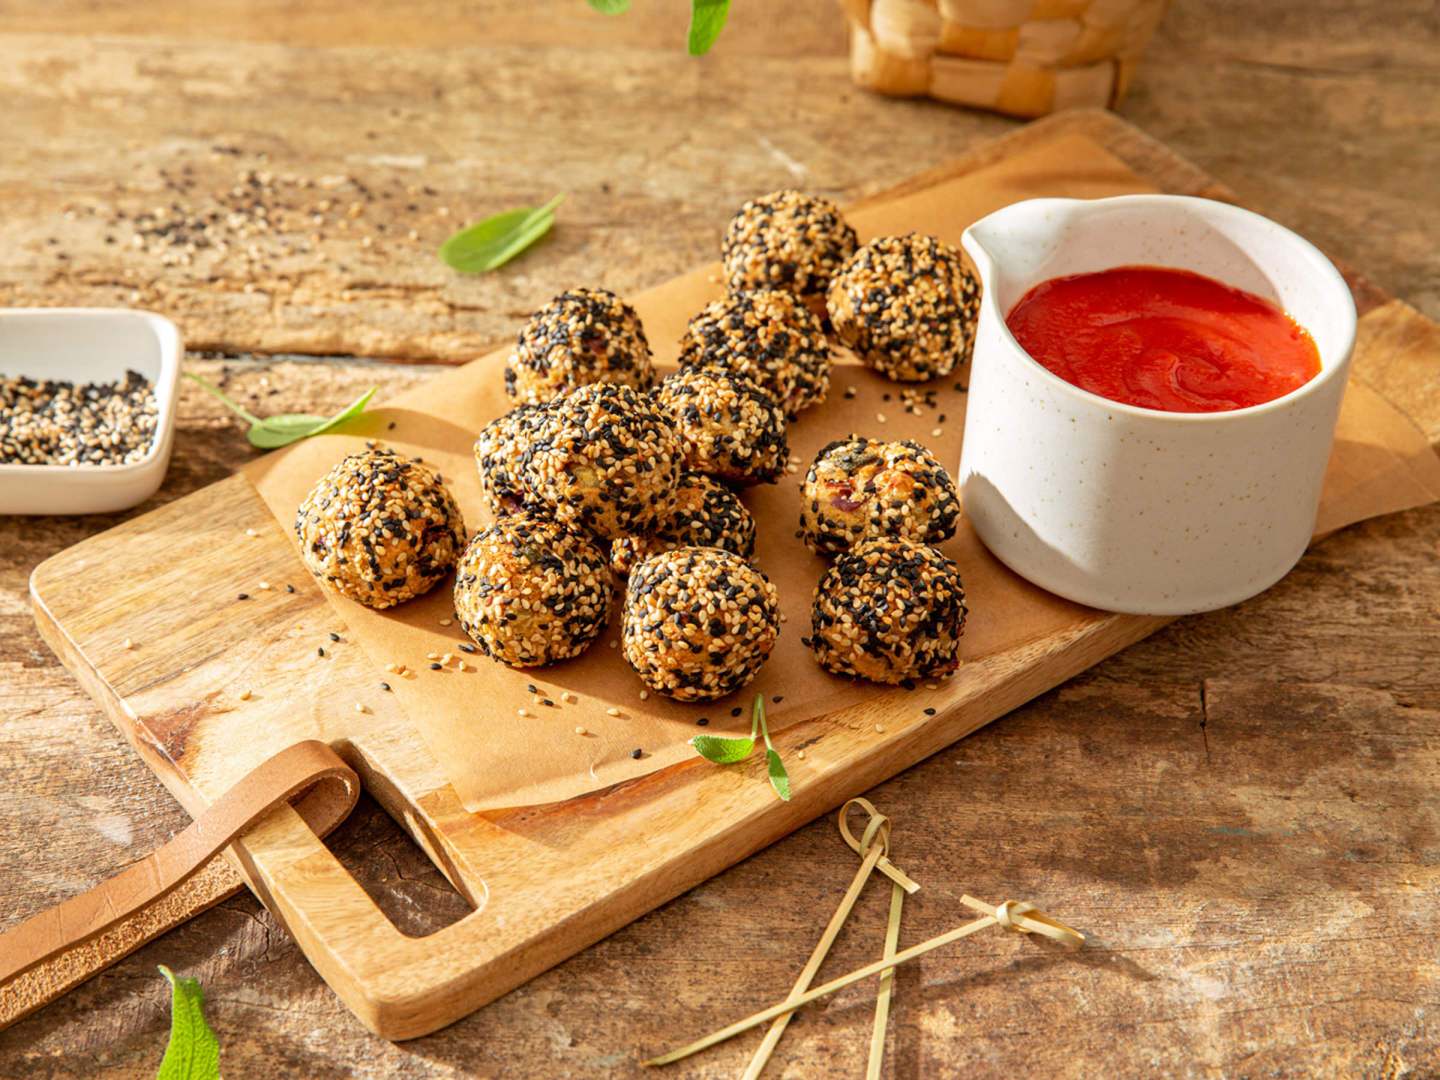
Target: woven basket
[[1021, 57]]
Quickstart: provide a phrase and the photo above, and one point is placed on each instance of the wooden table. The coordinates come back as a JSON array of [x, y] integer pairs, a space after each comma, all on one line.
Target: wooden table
[[1241, 809]]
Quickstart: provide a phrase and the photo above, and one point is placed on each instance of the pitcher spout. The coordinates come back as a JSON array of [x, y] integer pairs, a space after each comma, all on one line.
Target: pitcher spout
[[1009, 245]]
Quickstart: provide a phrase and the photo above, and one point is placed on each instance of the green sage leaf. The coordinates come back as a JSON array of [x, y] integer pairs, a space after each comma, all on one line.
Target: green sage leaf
[[722, 751], [707, 19], [779, 778], [611, 7], [193, 1052], [496, 240], [276, 431], [282, 430]]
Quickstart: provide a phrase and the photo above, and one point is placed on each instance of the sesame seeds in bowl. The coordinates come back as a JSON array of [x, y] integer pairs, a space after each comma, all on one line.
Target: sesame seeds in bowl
[[87, 408]]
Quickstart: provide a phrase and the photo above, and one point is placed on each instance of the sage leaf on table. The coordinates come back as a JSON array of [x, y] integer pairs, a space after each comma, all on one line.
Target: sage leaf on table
[[707, 19], [496, 240], [193, 1052], [273, 432], [611, 7]]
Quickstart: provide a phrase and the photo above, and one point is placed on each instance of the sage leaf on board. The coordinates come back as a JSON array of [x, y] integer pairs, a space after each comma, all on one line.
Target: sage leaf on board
[[193, 1052], [496, 240], [272, 432], [707, 19], [611, 7], [722, 751], [779, 778]]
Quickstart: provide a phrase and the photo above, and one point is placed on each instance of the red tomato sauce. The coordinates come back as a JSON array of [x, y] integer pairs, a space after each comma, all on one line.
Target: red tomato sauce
[[1164, 339]]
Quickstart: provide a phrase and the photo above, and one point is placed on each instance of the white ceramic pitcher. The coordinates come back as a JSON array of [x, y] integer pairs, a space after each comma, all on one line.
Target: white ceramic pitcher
[[1132, 509]]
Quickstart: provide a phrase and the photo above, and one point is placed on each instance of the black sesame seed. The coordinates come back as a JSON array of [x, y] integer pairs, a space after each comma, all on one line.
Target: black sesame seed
[[637, 753], [384, 686], [334, 636], [929, 712], [548, 702], [435, 667], [702, 721], [243, 596], [321, 651], [531, 688], [777, 699], [290, 588], [736, 711], [467, 648]]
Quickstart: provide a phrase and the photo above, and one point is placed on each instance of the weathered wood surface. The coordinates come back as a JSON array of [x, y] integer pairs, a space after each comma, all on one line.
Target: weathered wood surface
[[1262, 881]]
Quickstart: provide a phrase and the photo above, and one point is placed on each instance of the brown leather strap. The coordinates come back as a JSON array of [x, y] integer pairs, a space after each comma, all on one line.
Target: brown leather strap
[[310, 774]]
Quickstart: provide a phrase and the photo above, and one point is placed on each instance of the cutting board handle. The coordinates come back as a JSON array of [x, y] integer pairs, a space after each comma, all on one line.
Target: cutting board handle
[[56, 949]]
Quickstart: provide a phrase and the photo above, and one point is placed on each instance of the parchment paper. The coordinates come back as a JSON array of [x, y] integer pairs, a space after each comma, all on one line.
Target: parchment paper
[[470, 720]]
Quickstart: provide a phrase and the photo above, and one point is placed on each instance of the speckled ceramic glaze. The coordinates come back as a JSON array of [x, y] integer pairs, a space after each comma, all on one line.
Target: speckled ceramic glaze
[[1131, 509]]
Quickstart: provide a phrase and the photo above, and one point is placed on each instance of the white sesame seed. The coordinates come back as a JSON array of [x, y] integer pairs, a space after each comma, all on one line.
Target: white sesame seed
[[264, 586], [249, 532], [568, 696], [800, 754], [937, 432], [390, 667], [880, 416], [129, 644], [612, 711], [879, 727], [359, 707], [446, 622], [581, 731], [644, 694], [244, 695]]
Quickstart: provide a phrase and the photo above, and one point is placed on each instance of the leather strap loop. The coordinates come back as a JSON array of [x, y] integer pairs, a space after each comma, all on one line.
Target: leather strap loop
[[308, 774]]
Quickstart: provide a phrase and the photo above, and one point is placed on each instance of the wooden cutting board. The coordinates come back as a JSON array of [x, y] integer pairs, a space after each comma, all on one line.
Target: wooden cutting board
[[544, 880]]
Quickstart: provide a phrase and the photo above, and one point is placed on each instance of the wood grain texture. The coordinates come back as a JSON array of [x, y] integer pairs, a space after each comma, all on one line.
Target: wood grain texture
[[1318, 114], [214, 683]]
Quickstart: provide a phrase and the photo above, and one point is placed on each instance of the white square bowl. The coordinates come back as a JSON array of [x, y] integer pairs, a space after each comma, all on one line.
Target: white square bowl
[[88, 345]]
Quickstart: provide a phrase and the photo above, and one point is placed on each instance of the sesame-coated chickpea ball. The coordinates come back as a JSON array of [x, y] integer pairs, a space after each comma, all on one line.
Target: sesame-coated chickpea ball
[[907, 306], [531, 592], [582, 336], [787, 240], [765, 335], [379, 528], [706, 514], [730, 428], [605, 460], [860, 488], [498, 451], [698, 622], [889, 610]]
